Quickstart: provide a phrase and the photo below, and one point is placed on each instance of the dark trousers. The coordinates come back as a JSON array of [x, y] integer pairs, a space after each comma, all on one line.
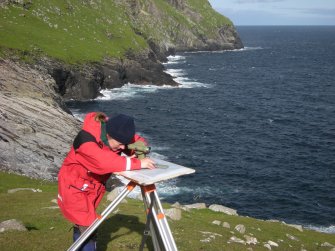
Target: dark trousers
[[90, 244]]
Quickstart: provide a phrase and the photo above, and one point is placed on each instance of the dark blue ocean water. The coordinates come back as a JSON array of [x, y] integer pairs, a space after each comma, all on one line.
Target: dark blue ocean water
[[257, 124]]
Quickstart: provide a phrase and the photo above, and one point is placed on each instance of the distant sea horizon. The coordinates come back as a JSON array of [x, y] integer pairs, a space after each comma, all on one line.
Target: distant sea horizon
[[257, 124]]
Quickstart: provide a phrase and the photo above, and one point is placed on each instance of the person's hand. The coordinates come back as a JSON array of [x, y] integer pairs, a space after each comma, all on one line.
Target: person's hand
[[147, 163]]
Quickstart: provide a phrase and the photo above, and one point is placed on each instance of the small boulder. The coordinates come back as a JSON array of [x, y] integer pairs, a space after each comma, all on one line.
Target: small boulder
[[236, 240], [194, 206], [12, 224], [209, 236], [267, 245], [292, 237], [299, 227], [176, 205], [272, 243], [216, 222], [327, 244], [111, 196], [240, 228], [250, 240], [275, 221], [173, 213], [223, 209], [226, 225]]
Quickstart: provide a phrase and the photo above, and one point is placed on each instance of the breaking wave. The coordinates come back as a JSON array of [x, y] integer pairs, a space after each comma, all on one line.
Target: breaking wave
[[329, 230]]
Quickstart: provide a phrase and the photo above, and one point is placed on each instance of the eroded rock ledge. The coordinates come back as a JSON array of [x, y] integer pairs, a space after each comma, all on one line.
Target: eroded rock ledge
[[84, 82], [35, 129]]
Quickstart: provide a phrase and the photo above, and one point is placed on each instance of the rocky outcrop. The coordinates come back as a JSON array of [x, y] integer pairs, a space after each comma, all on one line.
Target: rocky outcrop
[[84, 82], [151, 30], [35, 131], [223, 209], [190, 28], [36, 128]]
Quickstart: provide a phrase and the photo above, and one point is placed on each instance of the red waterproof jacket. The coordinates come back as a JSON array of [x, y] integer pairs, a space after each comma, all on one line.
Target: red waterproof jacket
[[85, 170]]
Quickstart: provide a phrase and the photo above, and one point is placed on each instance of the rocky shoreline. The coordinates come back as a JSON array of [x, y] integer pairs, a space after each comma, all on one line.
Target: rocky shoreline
[[84, 82], [36, 127]]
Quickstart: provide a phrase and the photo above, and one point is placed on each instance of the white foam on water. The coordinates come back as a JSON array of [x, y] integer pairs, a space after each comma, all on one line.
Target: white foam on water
[[129, 91], [251, 48], [329, 230], [173, 62], [172, 187], [176, 72], [224, 51], [78, 115], [180, 76], [164, 189], [175, 58], [187, 83]]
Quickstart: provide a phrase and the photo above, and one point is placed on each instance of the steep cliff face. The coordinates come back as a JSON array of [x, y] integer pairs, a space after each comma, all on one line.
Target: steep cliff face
[[90, 45], [182, 25], [35, 131], [85, 81], [52, 51]]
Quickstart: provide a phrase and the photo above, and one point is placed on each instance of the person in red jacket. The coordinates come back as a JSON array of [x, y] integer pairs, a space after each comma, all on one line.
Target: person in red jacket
[[94, 155]]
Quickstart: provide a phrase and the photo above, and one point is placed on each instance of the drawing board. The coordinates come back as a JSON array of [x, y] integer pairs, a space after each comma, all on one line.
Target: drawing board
[[166, 170]]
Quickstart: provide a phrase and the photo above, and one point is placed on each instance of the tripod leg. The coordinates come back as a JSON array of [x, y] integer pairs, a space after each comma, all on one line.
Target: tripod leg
[[146, 232], [89, 244], [160, 231], [163, 224], [76, 245]]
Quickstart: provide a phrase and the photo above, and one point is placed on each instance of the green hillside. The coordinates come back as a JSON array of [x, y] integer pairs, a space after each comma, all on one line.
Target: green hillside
[[48, 230], [68, 30], [80, 31]]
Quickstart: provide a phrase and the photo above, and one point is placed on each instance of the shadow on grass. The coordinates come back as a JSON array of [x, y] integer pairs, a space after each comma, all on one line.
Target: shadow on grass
[[120, 228], [31, 227]]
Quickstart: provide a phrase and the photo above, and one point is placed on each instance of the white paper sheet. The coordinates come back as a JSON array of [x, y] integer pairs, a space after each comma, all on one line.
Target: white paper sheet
[[166, 170]]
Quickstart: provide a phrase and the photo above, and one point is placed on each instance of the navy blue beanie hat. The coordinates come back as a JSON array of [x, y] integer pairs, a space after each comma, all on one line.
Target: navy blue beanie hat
[[121, 128]]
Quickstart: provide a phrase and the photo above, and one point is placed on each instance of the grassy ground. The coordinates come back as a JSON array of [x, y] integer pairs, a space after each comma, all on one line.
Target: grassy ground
[[67, 30], [122, 230], [89, 31]]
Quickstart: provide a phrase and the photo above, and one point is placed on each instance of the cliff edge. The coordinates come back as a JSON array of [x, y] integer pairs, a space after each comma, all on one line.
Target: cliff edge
[[55, 51], [35, 131], [90, 45]]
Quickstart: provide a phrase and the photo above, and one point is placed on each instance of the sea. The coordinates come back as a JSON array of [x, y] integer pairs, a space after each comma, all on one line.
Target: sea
[[257, 124]]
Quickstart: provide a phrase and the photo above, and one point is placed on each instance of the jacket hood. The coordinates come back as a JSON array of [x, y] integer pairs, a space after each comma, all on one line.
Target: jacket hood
[[92, 126]]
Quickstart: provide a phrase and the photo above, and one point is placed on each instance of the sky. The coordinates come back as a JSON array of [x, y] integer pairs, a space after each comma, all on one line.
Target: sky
[[277, 12]]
